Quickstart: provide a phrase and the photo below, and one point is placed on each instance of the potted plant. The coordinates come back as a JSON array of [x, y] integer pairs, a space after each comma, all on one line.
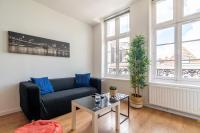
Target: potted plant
[[138, 66], [113, 91]]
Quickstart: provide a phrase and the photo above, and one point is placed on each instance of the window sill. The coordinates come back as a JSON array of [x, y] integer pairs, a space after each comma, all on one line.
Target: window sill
[[116, 78], [175, 83]]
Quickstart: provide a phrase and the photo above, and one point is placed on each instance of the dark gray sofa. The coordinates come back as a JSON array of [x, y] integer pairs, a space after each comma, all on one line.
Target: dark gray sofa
[[53, 104]]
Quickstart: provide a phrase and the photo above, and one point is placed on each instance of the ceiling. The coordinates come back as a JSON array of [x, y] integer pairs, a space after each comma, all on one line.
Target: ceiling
[[89, 11]]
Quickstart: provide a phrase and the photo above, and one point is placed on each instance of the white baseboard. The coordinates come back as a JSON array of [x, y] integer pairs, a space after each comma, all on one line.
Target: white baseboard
[[9, 111], [173, 111]]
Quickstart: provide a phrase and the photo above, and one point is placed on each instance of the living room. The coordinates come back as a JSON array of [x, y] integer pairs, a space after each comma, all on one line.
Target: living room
[[128, 66]]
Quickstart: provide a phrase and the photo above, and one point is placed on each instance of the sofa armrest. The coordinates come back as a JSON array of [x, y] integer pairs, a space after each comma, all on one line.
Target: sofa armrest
[[95, 82], [30, 100]]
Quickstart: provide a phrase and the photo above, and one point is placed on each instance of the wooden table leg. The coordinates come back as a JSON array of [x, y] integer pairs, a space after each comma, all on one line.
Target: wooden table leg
[[73, 117], [94, 123], [118, 117]]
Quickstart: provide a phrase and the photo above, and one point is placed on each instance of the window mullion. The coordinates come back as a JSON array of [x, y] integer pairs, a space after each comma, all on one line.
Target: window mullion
[[105, 51], [178, 51], [153, 45], [154, 53], [179, 14], [117, 27]]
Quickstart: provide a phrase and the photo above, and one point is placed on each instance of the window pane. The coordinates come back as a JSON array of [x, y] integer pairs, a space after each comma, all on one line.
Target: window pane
[[111, 28], [165, 69], [191, 69], [123, 50], [164, 10], [191, 50], [191, 7], [165, 36], [124, 23], [191, 31], [111, 57], [165, 52]]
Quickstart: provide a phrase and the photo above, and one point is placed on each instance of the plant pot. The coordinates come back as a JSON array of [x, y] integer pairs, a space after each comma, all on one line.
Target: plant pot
[[136, 101], [113, 93]]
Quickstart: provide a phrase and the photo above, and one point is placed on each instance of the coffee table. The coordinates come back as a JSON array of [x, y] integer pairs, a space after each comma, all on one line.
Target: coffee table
[[120, 97], [88, 104]]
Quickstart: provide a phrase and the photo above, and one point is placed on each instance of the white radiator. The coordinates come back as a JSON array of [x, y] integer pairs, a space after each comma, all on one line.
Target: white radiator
[[177, 98]]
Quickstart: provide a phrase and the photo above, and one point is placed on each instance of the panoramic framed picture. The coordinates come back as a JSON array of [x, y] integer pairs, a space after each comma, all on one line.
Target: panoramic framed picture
[[27, 44]]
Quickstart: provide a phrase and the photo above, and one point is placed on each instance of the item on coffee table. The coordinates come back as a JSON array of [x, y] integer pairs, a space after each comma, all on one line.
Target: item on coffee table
[[113, 91]]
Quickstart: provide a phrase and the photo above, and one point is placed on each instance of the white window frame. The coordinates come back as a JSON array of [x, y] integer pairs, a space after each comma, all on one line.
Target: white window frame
[[178, 20], [116, 37]]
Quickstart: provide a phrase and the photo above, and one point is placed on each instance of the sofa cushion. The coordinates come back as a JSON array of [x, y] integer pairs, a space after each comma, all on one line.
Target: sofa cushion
[[44, 85], [59, 102], [62, 83], [82, 80]]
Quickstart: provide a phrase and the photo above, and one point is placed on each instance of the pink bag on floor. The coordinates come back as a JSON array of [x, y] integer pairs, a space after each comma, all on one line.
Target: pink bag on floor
[[40, 126]]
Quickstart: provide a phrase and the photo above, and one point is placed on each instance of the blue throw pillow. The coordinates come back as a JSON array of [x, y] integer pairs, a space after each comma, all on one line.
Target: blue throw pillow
[[44, 85], [82, 80]]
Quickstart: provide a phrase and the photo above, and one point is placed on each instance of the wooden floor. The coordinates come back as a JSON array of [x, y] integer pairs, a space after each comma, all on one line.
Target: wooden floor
[[144, 120]]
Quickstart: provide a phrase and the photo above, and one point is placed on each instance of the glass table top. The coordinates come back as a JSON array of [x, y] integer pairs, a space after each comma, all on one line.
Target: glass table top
[[104, 101]]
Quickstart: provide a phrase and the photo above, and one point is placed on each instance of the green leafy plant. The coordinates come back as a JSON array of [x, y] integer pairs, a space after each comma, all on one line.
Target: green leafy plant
[[113, 88], [138, 64]]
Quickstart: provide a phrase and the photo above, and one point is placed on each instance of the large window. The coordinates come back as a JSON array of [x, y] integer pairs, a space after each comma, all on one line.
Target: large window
[[117, 44], [176, 40]]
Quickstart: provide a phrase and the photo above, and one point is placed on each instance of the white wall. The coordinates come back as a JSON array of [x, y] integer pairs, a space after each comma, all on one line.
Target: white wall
[[29, 17], [139, 19], [97, 50]]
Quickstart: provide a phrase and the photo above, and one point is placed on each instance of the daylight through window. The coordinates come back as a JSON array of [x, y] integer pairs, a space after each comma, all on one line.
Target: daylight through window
[[117, 45], [176, 39]]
